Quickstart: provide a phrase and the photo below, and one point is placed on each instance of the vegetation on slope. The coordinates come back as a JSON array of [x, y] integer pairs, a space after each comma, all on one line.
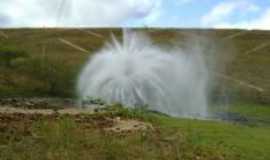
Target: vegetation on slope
[[40, 65], [52, 67]]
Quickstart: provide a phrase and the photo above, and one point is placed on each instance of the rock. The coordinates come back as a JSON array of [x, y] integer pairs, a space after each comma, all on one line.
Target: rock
[[128, 126]]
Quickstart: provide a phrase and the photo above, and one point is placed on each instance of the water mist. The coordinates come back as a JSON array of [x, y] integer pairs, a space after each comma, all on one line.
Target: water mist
[[136, 72]]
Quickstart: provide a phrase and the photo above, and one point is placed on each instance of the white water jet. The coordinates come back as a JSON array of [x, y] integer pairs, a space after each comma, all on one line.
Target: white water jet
[[138, 73]]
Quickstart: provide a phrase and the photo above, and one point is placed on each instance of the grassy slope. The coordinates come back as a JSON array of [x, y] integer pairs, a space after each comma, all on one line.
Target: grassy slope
[[176, 139], [83, 138], [66, 61]]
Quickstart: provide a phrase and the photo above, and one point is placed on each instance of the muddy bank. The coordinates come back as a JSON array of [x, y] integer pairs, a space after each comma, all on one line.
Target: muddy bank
[[51, 106]]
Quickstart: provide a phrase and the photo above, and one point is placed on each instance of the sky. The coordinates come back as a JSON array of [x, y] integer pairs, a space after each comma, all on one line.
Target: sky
[[244, 14]]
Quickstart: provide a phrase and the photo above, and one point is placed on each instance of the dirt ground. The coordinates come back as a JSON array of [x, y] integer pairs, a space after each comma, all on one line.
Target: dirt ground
[[20, 113]]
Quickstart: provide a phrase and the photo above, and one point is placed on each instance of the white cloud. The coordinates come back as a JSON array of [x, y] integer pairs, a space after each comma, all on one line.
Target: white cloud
[[225, 9], [184, 1], [156, 13], [261, 22], [76, 12]]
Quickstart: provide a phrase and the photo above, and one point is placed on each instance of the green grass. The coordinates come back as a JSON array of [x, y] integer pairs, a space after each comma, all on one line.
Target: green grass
[[249, 142], [83, 138], [256, 114], [66, 139], [251, 110]]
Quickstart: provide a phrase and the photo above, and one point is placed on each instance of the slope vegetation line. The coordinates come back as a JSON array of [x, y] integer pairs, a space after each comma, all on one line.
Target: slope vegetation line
[[92, 33], [240, 82], [66, 42], [258, 48], [3, 35]]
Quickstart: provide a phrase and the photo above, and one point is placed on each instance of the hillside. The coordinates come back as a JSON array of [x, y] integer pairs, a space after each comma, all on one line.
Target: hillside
[[239, 59], [43, 65]]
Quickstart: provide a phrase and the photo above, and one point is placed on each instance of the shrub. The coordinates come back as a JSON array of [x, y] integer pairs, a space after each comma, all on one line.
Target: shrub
[[9, 54], [56, 76]]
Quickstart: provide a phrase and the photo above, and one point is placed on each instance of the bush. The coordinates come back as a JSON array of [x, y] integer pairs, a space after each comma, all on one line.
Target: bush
[[57, 78], [9, 54]]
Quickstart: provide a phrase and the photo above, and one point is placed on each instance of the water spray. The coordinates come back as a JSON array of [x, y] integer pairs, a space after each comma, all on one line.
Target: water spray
[[138, 73]]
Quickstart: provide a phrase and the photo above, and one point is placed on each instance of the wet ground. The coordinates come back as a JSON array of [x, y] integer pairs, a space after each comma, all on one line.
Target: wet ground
[[65, 106]]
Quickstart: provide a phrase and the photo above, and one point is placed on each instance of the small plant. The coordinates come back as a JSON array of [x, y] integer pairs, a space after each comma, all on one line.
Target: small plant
[[93, 101]]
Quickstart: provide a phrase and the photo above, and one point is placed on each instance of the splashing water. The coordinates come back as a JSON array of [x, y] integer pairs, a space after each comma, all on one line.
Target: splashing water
[[138, 73]]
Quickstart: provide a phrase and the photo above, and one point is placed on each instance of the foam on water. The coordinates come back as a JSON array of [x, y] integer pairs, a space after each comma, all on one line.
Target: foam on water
[[138, 73]]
